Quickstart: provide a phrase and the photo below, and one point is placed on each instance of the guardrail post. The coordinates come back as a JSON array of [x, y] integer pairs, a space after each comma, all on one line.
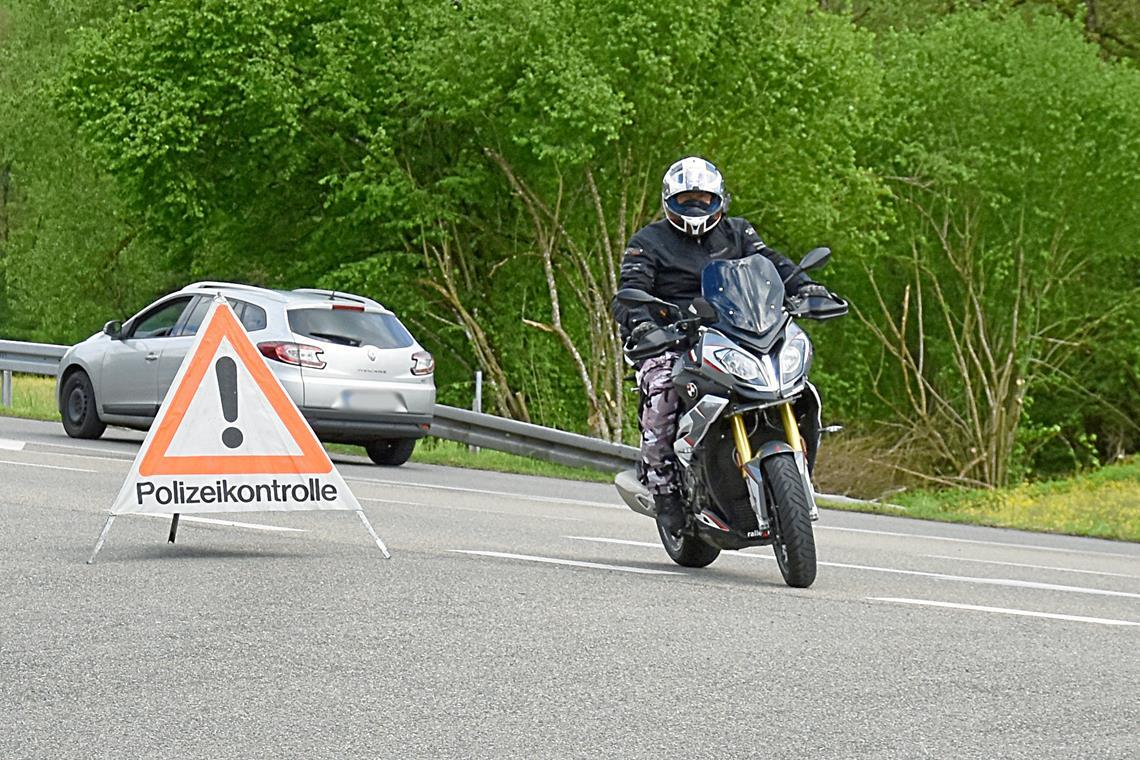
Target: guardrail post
[[477, 402], [6, 388]]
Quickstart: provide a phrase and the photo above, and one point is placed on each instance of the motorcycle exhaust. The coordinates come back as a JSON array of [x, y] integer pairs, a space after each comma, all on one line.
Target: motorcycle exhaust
[[634, 493]]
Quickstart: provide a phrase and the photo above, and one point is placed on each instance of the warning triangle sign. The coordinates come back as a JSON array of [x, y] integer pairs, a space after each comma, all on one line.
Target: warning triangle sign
[[228, 438]]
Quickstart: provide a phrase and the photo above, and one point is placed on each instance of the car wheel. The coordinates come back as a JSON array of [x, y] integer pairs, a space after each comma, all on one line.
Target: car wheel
[[80, 419], [390, 452]]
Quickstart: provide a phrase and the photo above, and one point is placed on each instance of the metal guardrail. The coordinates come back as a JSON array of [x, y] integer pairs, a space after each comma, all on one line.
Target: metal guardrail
[[29, 358], [473, 428], [529, 440]]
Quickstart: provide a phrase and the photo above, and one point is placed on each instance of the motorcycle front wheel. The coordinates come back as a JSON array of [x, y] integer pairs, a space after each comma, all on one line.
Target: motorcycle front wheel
[[688, 551], [795, 541]]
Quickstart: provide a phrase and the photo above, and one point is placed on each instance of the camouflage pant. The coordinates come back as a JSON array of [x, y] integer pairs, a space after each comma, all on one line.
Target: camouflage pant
[[658, 466]]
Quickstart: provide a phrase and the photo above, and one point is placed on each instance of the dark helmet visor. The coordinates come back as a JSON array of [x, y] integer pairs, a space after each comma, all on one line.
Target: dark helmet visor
[[694, 206]]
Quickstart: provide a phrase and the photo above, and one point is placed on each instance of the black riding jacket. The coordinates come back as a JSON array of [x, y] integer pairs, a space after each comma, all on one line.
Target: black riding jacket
[[667, 263]]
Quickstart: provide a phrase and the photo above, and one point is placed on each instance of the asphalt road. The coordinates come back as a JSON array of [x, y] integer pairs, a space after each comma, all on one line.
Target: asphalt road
[[528, 617]]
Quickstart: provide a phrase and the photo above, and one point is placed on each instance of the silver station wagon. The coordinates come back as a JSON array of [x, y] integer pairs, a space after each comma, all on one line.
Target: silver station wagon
[[352, 368]]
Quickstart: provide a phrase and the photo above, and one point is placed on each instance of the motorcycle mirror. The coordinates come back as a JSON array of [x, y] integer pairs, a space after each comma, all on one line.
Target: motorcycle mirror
[[704, 310], [634, 295], [815, 258]]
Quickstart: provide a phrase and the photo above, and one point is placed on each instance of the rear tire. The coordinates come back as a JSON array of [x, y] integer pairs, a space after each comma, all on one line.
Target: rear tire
[[795, 541], [80, 418], [390, 452], [688, 551]]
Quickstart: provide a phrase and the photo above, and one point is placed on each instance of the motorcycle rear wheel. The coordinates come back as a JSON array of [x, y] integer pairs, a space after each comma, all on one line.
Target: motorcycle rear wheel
[[795, 544], [687, 550]]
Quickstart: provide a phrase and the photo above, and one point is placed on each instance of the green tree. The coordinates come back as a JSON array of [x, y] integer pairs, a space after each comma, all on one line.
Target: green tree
[[1013, 151], [69, 250]]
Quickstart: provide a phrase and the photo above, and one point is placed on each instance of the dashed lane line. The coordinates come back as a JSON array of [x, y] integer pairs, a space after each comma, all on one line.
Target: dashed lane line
[[44, 466], [468, 509], [570, 562], [898, 571], [1032, 567], [974, 541], [504, 494], [230, 523], [1003, 611]]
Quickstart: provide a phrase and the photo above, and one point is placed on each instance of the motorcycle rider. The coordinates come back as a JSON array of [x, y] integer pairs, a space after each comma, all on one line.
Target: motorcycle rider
[[665, 258]]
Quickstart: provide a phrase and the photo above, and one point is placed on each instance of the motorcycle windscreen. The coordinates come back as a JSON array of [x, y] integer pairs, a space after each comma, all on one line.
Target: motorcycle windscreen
[[747, 293]]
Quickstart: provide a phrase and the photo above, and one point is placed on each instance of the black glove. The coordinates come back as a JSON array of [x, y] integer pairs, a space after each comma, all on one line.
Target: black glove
[[812, 289], [640, 331]]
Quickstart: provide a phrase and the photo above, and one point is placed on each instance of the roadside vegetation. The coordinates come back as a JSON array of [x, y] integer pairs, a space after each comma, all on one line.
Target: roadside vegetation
[[1102, 503]]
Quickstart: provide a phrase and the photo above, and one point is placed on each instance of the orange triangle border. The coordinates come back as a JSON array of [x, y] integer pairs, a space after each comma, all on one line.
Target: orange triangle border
[[313, 459]]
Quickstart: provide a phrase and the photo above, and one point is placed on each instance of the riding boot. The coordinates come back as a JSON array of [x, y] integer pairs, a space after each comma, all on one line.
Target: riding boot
[[670, 512]]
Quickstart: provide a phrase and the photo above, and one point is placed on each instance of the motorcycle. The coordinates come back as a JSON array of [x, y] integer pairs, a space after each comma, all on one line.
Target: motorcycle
[[741, 377]]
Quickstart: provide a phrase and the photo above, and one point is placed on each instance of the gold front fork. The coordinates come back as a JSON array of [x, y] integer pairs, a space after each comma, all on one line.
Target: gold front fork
[[740, 435], [743, 447], [791, 429]]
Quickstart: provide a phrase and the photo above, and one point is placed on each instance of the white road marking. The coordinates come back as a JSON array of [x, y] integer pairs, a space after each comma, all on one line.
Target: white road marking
[[897, 571], [572, 563], [601, 540], [126, 454], [469, 509], [45, 466], [212, 521], [974, 541], [981, 581], [1034, 567], [1003, 611], [7, 444], [504, 494]]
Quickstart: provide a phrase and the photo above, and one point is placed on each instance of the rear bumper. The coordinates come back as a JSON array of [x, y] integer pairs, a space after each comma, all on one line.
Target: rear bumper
[[350, 427]]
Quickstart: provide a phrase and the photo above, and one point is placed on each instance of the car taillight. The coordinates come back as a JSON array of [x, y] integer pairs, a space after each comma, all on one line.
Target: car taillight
[[422, 363], [347, 307], [293, 353]]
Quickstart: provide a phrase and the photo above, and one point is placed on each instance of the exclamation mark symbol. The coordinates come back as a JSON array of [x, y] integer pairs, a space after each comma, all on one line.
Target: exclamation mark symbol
[[227, 387]]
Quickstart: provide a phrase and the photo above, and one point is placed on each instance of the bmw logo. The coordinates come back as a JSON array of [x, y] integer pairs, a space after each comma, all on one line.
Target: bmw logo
[[691, 390]]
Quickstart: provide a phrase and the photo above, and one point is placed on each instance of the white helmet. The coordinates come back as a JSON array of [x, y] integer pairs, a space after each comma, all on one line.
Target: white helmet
[[693, 216]]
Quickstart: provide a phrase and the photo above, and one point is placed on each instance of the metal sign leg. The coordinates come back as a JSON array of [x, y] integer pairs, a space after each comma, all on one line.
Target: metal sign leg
[[364, 519], [173, 528], [102, 538]]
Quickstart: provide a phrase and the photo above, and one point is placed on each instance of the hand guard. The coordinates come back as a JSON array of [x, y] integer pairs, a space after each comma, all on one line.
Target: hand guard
[[812, 289]]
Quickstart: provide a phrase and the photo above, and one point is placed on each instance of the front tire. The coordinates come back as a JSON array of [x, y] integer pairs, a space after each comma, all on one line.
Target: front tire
[[687, 550], [390, 452], [795, 541], [80, 418]]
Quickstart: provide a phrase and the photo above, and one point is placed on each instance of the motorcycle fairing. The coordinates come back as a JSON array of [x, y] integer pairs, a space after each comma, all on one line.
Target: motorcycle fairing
[[694, 425]]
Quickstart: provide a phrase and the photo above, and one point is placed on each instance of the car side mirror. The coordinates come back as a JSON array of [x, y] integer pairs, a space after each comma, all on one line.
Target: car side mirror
[[114, 329], [815, 258]]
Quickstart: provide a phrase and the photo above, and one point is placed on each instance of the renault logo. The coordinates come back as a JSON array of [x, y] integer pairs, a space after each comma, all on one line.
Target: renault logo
[[371, 354]]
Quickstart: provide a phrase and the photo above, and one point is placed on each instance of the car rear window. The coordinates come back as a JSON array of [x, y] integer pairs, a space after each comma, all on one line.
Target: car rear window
[[350, 328]]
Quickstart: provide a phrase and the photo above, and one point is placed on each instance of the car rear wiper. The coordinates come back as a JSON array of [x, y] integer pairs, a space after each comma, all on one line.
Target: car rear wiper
[[341, 339]]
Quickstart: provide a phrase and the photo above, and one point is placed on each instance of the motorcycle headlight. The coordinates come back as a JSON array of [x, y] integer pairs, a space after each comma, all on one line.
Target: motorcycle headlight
[[740, 364], [795, 357]]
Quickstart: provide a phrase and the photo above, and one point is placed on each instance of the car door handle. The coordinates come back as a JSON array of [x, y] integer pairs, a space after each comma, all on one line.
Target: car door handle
[[151, 356]]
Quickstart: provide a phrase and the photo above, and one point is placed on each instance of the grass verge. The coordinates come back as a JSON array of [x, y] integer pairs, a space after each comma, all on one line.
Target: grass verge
[[1103, 504]]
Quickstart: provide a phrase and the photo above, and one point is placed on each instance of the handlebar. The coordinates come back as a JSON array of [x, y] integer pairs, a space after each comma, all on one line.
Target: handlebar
[[678, 334]]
